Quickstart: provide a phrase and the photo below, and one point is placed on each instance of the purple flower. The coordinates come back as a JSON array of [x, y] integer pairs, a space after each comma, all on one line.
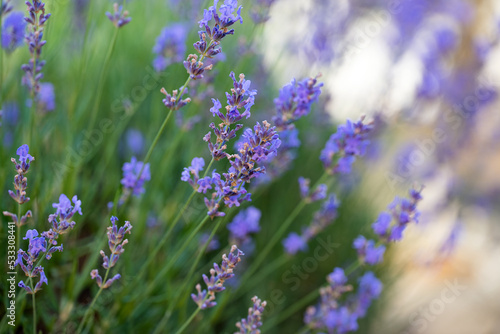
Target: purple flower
[[212, 245], [46, 97], [369, 289], [116, 243], [13, 29], [295, 100], [36, 24], [403, 211], [119, 17], [367, 251], [253, 320], [131, 180], [135, 141], [344, 146], [64, 208], [191, 175], [244, 223], [20, 181], [170, 46], [382, 224], [318, 194], [218, 275], [294, 243]]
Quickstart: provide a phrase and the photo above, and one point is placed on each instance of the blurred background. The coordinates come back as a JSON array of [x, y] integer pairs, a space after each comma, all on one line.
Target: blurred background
[[427, 72]]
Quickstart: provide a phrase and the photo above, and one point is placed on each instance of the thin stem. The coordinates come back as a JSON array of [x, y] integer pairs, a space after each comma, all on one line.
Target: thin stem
[[18, 237], [34, 303], [190, 274], [162, 242], [176, 256], [154, 143], [293, 309], [87, 313], [263, 255], [183, 327], [100, 85], [307, 299]]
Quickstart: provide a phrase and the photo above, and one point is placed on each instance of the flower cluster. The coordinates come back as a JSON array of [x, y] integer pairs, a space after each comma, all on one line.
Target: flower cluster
[[20, 180], [45, 244], [211, 47], [241, 97], [341, 317], [256, 146], [191, 175], [116, 243], [119, 17], [36, 246], [403, 211], [218, 275], [13, 31], [244, 223], [36, 25], [135, 174], [318, 194], [61, 221], [322, 218], [344, 146], [295, 100], [251, 324], [170, 46], [368, 252]]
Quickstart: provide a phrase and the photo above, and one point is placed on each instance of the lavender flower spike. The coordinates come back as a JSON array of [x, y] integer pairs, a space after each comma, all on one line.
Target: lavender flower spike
[[36, 23], [27, 260], [130, 180], [251, 324], [341, 150], [403, 211], [218, 275], [116, 243], [119, 17]]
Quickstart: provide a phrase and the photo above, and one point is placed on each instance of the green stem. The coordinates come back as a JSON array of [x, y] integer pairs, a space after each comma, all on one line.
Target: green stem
[[183, 327], [87, 313], [263, 255], [155, 142], [293, 309], [18, 232], [174, 259], [162, 242], [306, 300], [100, 84], [190, 274], [34, 304]]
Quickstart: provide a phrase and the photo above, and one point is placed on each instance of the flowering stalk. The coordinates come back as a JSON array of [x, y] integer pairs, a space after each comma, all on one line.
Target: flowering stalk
[[116, 243], [193, 64], [333, 315], [251, 324], [173, 302], [218, 275], [19, 193]]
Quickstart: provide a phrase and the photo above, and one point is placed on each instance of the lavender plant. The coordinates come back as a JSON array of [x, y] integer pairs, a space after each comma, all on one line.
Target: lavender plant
[[109, 138]]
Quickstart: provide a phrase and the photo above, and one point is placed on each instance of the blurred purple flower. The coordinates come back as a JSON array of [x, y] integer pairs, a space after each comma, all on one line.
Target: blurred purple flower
[[13, 29], [130, 180], [170, 46]]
